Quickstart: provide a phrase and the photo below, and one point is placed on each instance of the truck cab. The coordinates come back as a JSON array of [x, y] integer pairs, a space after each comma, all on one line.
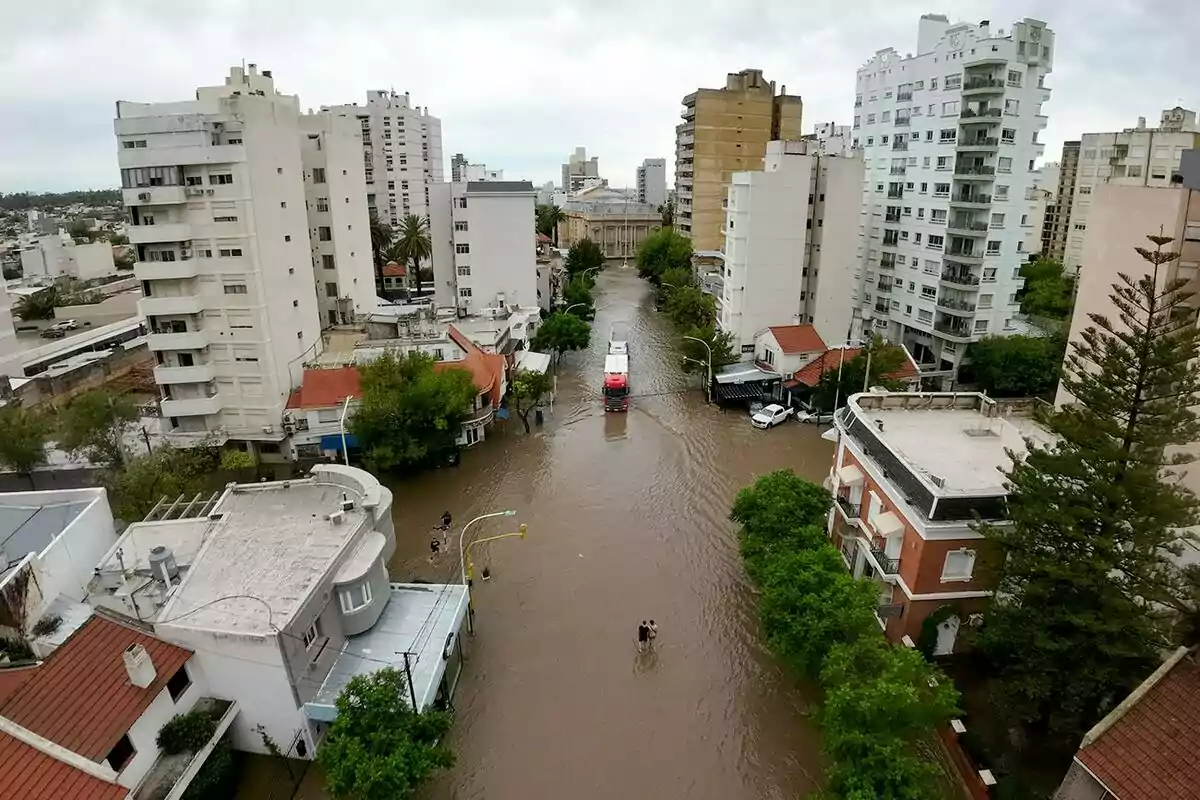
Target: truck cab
[[616, 382]]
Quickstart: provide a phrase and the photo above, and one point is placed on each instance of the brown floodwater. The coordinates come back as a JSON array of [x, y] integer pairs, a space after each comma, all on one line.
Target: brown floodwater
[[627, 517]]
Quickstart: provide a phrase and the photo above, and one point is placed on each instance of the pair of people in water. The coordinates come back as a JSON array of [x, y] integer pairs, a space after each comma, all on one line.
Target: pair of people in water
[[647, 633]]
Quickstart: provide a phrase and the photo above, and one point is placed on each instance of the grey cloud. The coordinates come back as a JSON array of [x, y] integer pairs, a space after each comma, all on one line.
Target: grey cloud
[[519, 84]]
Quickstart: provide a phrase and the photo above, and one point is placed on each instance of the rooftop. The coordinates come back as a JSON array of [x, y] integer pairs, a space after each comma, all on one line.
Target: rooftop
[[419, 619], [81, 697], [957, 443], [499, 187], [810, 374], [28, 526], [30, 774], [798, 338], [1145, 749], [323, 388]]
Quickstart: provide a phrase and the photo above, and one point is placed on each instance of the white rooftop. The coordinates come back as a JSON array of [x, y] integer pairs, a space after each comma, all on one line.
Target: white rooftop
[[961, 446]]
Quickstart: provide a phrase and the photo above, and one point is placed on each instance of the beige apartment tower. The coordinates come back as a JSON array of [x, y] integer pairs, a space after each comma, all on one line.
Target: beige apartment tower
[[725, 131], [1057, 221]]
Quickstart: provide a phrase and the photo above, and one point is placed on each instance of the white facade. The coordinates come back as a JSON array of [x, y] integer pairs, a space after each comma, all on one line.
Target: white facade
[[10, 360], [484, 248], [480, 172], [950, 139], [652, 181], [788, 260], [57, 256], [1138, 156], [402, 153], [338, 221], [832, 139], [217, 202]]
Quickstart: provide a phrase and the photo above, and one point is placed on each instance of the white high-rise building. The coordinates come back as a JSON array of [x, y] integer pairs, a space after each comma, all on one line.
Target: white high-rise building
[[832, 139], [339, 232], [652, 181], [216, 198], [791, 252], [484, 253], [402, 153], [950, 136], [1137, 156]]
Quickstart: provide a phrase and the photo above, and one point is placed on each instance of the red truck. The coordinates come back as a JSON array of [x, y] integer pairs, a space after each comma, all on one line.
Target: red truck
[[616, 383]]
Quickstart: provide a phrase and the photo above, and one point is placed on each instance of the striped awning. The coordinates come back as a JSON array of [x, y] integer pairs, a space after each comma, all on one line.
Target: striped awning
[[889, 524]]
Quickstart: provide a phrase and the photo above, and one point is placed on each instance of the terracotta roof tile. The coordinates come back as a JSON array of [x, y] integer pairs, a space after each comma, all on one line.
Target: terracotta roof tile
[[394, 270], [486, 369], [798, 338], [1149, 753], [13, 678], [811, 373], [81, 698], [30, 774], [322, 388]]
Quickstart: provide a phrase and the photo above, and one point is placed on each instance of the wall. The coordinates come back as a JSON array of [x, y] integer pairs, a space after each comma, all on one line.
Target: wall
[[10, 361], [835, 256], [111, 309], [502, 258], [441, 238], [144, 732]]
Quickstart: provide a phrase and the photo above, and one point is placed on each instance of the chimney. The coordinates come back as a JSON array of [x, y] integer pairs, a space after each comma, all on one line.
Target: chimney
[[139, 666]]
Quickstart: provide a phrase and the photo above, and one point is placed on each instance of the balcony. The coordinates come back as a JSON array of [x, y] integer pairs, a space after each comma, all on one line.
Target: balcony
[[902, 122], [983, 143], [887, 261], [881, 308], [895, 194], [965, 256], [902, 96], [192, 407], [971, 200], [892, 241], [851, 511], [900, 144], [958, 307], [201, 373], [888, 566], [959, 333], [188, 340], [166, 270], [900, 170], [169, 306], [171, 775], [161, 232], [892, 219], [180, 156], [983, 85], [886, 288], [959, 279], [974, 172], [984, 115], [963, 228], [155, 195]]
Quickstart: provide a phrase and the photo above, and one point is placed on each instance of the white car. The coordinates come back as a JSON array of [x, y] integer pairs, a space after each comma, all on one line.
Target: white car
[[813, 416], [65, 325], [770, 416]]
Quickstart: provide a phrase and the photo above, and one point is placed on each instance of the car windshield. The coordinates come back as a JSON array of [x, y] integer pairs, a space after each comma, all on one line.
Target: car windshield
[[620, 391]]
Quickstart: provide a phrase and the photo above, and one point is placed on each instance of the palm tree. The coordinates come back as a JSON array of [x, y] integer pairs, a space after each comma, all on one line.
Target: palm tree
[[412, 243], [548, 217]]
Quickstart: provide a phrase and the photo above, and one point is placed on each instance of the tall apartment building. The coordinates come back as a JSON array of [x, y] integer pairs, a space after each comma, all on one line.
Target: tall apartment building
[[578, 169], [1137, 156], [911, 475], [950, 137], [401, 154], [458, 163], [1057, 221], [339, 233], [790, 247], [216, 199], [10, 362], [725, 131], [484, 252], [652, 181], [832, 139]]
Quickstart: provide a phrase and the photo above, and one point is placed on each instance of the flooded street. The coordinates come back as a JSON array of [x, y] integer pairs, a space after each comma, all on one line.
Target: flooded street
[[627, 517]]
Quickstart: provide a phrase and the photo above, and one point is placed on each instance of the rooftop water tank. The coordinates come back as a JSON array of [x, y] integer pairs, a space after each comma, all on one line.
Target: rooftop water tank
[[162, 564]]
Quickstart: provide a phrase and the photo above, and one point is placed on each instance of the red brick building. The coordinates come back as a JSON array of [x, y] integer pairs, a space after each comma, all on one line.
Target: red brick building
[[910, 474]]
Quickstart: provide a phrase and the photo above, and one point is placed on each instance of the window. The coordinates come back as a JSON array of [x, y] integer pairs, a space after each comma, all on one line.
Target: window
[[981, 326], [1191, 233], [464, 292], [993, 248], [985, 301], [331, 290], [925, 162], [318, 174], [883, 139], [941, 190], [1085, 190], [919, 85], [121, 754], [134, 143], [464, 270], [322, 204], [179, 683], [312, 634], [908, 211], [462, 247], [920, 213], [1008, 135], [933, 83], [1004, 165], [354, 598], [937, 216], [461, 202], [948, 135], [1011, 107], [1134, 171], [1001, 192], [908, 311], [1014, 78], [204, 253], [235, 288], [230, 252], [932, 109], [935, 241], [223, 179], [327, 261], [928, 292], [997, 220], [460, 225], [194, 180], [924, 187], [931, 267], [870, 140], [950, 108], [224, 219], [989, 274], [870, 119], [954, 81], [928, 136], [1158, 174], [325, 234], [925, 315], [886, 116], [944, 162]]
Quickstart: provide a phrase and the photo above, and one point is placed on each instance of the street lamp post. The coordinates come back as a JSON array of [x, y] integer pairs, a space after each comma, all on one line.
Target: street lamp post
[[567, 310], [342, 424], [708, 386], [462, 559]]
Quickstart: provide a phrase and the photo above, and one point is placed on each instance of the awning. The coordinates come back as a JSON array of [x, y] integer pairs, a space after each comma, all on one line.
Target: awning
[[333, 441], [849, 475], [740, 391], [888, 524]]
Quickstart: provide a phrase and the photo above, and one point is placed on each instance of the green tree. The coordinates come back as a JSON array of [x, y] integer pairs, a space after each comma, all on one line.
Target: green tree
[[777, 506], [691, 308], [583, 256], [412, 242], [884, 360], [577, 291], [672, 280], [79, 230], [527, 390], [233, 460], [1097, 516], [561, 332], [94, 426], [141, 481], [118, 238], [23, 445], [667, 210], [1018, 366], [125, 260], [547, 218], [1048, 292], [663, 250], [37, 306], [411, 413], [379, 747], [720, 343], [381, 237]]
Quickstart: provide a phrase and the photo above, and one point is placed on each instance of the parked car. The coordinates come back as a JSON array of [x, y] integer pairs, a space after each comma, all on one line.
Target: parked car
[[813, 416], [53, 333], [66, 325], [770, 416]]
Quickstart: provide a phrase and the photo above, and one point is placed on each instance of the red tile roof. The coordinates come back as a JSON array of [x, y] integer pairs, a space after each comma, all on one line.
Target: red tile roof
[[1150, 751], [544, 239], [394, 270], [486, 369], [13, 678], [324, 388], [798, 338], [28, 773], [810, 374], [81, 698]]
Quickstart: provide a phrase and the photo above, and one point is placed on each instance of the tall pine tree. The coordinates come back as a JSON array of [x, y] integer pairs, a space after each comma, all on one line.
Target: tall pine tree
[[1096, 518]]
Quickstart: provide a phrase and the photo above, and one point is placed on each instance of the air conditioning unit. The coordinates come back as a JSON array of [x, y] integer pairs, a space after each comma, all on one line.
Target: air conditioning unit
[[289, 428], [144, 197], [208, 191], [268, 428]]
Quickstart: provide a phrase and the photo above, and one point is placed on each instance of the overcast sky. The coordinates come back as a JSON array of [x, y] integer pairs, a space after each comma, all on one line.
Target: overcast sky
[[519, 84]]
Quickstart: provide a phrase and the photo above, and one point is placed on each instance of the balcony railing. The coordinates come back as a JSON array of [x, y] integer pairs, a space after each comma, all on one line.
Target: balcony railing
[[983, 83], [887, 261], [957, 331], [899, 170], [955, 305], [976, 198], [902, 122], [890, 566], [985, 114], [967, 228], [904, 95], [900, 144], [895, 194], [891, 218], [892, 241], [980, 141], [974, 169], [852, 510], [960, 279], [884, 287]]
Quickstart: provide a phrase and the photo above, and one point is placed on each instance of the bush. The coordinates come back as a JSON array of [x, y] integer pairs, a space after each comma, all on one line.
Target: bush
[[186, 733], [217, 779], [15, 649], [47, 625]]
